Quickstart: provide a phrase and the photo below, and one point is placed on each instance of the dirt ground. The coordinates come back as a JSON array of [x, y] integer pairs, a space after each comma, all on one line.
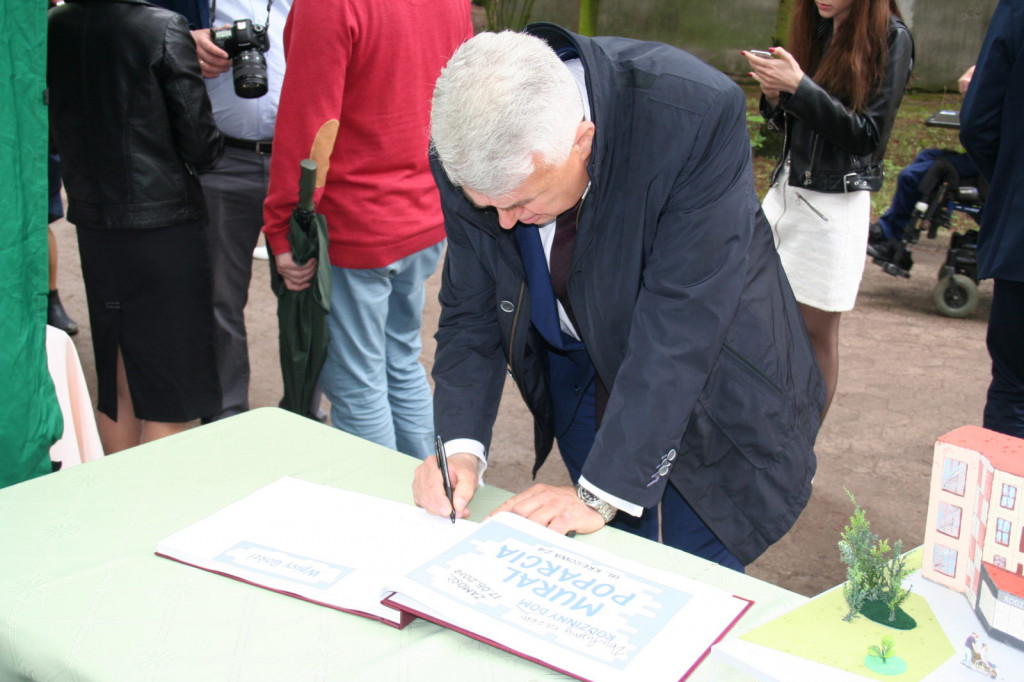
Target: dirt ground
[[907, 376]]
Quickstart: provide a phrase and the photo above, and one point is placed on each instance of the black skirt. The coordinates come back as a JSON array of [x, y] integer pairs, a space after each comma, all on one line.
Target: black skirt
[[150, 294]]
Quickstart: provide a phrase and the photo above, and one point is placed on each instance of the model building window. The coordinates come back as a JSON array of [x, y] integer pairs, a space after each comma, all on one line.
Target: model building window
[[1003, 532], [999, 561], [954, 476], [1009, 497], [944, 560], [949, 519]]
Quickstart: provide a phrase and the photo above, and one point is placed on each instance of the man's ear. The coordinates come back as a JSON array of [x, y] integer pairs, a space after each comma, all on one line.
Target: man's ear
[[584, 138]]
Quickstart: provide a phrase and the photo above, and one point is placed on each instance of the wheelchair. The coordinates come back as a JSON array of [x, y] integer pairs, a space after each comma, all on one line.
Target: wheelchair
[[944, 193]]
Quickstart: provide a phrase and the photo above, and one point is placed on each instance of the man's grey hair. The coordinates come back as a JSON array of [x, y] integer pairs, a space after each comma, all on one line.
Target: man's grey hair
[[502, 98]]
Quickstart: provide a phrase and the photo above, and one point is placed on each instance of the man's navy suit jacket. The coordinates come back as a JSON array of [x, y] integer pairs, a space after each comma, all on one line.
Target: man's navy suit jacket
[[679, 296]]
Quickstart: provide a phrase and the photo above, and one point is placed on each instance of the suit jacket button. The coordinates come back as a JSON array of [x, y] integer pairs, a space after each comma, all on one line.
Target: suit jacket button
[[671, 455], [663, 471], [507, 306]]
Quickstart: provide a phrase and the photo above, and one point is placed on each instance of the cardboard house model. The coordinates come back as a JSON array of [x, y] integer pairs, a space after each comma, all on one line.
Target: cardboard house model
[[974, 540]]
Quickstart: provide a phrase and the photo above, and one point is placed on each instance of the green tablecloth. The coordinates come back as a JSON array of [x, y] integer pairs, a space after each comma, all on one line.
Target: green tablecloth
[[83, 597]]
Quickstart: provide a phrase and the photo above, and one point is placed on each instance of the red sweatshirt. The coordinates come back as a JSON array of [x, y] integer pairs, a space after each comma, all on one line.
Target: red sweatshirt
[[365, 69]]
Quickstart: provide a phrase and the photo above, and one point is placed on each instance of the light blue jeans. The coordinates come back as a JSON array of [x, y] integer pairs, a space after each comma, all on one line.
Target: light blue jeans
[[372, 376]]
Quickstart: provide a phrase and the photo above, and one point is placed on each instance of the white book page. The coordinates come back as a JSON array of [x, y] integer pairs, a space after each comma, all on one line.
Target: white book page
[[318, 542], [573, 606]]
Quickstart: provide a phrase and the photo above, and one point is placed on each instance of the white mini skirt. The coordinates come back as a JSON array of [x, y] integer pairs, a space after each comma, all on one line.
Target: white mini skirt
[[821, 240]]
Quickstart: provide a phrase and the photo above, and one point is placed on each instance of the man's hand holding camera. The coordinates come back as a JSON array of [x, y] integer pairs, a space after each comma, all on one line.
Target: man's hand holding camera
[[239, 46], [213, 61]]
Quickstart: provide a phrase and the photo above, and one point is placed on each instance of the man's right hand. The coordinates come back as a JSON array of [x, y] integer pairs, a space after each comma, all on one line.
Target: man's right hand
[[296, 277], [965, 81], [428, 486], [213, 61]]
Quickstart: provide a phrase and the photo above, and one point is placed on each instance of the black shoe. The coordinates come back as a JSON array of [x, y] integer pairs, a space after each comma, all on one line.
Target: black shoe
[[893, 257], [884, 250], [877, 241], [875, 234], [57, 317]]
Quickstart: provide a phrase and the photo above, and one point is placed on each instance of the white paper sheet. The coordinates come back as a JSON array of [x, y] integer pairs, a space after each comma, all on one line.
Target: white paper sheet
[[314, 541]]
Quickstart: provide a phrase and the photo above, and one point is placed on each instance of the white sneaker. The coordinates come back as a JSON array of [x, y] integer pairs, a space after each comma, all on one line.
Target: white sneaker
[[261, 253]]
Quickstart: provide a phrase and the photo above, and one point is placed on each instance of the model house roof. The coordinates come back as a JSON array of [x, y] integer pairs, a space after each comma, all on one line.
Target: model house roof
[[1004, 453], [1006, 581]]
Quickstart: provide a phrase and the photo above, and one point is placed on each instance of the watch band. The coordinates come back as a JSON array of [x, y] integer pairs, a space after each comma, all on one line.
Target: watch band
[[606, 510]]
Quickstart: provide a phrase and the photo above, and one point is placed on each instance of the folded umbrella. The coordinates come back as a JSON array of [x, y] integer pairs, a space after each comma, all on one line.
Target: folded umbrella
[[302, 315]]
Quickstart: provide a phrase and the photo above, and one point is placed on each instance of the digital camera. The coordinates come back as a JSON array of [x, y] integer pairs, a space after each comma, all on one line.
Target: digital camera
[[245, 43]]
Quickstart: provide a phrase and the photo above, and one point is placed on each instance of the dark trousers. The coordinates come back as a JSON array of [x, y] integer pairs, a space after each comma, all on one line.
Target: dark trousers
[[234, 190], [573, 393], [1004, 409]]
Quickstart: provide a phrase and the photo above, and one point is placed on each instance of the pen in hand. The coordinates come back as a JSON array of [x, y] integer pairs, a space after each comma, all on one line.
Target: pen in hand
[[442, 464]]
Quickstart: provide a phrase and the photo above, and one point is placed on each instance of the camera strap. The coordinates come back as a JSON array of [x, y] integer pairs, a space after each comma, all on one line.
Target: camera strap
[[213, 13]]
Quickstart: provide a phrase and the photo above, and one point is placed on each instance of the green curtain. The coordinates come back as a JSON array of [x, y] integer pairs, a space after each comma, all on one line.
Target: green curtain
[[30, 418]]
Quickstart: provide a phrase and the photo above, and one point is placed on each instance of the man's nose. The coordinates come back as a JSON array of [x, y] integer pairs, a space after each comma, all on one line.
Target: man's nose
[[508, 217]]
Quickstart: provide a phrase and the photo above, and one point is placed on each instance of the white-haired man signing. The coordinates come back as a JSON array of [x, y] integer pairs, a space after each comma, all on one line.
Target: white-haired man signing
[[608, 250]]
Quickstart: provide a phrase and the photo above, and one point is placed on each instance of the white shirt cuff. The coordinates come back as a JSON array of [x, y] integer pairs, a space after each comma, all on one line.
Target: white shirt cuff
[[617, 502], [470, 447]]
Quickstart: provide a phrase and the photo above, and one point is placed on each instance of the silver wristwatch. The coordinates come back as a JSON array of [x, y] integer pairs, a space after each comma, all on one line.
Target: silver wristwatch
[[606, 510]]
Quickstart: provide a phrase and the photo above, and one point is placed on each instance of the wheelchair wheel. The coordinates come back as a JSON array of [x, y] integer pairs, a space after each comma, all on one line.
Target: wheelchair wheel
[[956, 296]]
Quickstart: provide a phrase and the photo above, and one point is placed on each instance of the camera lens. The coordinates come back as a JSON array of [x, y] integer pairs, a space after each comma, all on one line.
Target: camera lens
[[250, 74]]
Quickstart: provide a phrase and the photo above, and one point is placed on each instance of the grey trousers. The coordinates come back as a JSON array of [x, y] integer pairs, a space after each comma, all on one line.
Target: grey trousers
[[235, 190]]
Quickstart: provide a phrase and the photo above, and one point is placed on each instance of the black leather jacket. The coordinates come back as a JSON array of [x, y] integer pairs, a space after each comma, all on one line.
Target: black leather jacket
[[129, 114], [833, 149]]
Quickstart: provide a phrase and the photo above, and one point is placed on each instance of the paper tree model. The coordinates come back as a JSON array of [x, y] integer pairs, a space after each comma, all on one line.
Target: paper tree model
[[974, 541]]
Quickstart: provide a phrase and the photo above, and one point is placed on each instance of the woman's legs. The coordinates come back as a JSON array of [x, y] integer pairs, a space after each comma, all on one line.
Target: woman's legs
[[127, 430], [153, 430], [52, 258], [823, 328], [56, 316]]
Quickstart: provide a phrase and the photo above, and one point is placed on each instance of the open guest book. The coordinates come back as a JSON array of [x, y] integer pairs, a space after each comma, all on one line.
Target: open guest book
[[508, 582]]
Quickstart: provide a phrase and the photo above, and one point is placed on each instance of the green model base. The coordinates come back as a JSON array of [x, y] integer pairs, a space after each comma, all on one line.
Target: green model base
[[843, 645]]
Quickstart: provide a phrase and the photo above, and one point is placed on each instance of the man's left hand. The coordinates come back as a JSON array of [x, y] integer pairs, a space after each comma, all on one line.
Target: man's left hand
[[296, 277], [213, 61], [557, 507]]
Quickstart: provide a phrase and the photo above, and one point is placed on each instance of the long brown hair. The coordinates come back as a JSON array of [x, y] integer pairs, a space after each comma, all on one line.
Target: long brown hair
[[854, 64]]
